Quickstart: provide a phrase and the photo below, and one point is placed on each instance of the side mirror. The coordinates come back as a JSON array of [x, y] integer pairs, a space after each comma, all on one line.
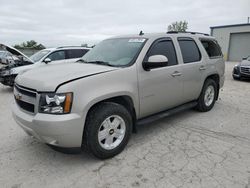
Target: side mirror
[[47, 60], [155, 61]]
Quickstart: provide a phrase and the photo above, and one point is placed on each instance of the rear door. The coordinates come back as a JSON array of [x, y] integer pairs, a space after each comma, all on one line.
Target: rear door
[[160, 88], [194, 68], [75, 54]]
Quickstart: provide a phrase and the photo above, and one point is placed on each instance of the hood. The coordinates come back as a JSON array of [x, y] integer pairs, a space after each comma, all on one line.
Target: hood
[[15, 52], [49, 77], [245, 63]]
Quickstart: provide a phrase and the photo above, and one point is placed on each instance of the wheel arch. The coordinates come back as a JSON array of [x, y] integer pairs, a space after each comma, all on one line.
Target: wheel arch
[[124, 100], [216, 78]]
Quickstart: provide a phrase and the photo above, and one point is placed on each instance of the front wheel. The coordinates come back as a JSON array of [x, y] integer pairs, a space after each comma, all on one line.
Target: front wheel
[[107, 130], [208, 96]]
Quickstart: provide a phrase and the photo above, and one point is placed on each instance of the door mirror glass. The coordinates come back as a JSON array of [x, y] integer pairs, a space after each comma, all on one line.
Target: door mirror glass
[[155, 61], [47, 60]]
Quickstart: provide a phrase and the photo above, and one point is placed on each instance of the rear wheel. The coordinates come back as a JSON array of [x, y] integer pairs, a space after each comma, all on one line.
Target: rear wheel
[[208, 96], [107, 130]]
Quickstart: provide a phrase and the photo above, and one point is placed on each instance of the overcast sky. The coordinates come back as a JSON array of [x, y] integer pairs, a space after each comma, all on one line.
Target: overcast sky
[[74, 22]]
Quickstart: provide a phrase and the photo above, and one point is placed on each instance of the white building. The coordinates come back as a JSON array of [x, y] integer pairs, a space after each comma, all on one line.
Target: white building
[[234, 40]]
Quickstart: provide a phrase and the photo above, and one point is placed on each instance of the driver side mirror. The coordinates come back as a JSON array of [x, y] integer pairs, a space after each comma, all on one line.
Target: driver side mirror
[[47, 60], [155, 61]]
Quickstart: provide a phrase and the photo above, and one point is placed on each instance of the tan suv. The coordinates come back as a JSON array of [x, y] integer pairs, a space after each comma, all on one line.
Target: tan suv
[[96, 102]]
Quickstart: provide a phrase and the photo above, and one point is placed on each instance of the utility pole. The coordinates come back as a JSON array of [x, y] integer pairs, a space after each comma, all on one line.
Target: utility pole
[[248, 19]]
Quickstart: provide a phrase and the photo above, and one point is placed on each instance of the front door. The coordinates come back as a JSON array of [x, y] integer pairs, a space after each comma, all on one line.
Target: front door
[[160, 88]]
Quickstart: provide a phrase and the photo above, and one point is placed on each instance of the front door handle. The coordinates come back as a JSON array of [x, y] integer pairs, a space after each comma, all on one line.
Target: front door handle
[[176, 73], [202, 67]]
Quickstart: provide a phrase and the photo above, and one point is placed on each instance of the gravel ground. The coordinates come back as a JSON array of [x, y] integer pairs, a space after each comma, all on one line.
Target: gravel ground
[[190, 149]]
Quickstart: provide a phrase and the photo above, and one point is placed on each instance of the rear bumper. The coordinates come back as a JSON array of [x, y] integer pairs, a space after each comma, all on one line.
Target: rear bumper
[[58, 130]]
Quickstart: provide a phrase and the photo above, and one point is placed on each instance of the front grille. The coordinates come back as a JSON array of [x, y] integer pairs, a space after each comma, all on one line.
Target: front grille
[[26, 106], [25, 98], [25, 92], [245, 70]]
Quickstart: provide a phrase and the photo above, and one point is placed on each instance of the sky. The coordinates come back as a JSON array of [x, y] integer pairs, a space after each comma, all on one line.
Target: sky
[[75, 22]]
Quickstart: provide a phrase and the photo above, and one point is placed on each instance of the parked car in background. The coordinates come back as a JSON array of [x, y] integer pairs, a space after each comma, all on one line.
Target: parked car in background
[[46, 56], [242, 70], [96, 102]]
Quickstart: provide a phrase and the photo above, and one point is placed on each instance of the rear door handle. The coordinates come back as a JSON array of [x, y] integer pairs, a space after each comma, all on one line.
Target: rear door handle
[[176, 73], [202, 68]]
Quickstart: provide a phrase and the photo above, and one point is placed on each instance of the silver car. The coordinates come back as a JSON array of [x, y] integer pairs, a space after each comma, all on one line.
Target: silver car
[[96, 103]]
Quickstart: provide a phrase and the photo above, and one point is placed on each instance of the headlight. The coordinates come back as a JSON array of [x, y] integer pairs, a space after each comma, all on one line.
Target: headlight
[[55, 103]]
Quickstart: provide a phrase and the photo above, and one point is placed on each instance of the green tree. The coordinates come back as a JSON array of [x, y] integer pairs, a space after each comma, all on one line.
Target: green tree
[[30, 44], [181, 26]]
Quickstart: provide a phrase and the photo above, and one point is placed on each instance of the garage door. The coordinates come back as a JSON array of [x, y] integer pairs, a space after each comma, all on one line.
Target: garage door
[[239, 46]]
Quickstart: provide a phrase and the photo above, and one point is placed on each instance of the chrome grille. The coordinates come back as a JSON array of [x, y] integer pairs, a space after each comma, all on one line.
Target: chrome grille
[[25, 98], [245, 70]]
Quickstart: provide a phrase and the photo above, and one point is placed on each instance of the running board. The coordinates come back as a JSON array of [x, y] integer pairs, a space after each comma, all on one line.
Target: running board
[[166, 113]]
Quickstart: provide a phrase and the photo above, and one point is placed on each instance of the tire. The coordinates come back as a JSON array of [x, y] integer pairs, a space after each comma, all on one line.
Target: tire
[[107, 130], [206, 101], [236, 78]]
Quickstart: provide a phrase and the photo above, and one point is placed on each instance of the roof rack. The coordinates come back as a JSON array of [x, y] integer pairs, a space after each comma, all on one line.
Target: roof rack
[[71, 47], [190, 32]]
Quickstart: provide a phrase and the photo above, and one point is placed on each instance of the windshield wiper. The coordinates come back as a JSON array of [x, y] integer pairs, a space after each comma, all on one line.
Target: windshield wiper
[[100, 63], [81, 60]]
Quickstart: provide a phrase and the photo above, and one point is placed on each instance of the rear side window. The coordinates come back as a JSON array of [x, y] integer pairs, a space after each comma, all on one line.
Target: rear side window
[[166, 48], [76, 53], [212, 48], [58, 55], [189, 49]]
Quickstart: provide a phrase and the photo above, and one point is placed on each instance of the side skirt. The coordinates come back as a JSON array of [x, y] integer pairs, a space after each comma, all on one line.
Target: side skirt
[[166, 113]]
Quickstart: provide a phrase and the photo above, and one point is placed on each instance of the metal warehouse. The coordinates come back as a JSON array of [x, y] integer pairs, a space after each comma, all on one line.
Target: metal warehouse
[[234, 40]]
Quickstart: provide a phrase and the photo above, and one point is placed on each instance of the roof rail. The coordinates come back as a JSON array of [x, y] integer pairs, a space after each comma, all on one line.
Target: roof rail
[[190, 32], [71, 47]]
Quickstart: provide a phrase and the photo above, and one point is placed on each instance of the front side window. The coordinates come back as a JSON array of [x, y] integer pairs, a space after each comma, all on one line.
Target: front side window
[[115, 52], [39, 55], [164, 47], [58, 55], [76, 53], [189, 49], [212, 48]]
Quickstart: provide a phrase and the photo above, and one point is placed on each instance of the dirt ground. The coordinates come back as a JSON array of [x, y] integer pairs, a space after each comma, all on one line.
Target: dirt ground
[[189, 149]]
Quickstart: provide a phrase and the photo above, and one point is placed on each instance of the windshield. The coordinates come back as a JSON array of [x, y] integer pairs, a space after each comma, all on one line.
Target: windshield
[[39, 55], [115, 52]]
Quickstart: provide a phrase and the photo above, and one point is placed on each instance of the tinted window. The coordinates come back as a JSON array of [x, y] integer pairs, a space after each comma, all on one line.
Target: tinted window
[[212, 48], [58, 55], [189, 50], [166, 48], [76, 53]]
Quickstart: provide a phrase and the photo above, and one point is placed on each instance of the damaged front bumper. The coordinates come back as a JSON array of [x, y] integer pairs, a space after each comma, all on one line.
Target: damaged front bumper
[[7, 80]]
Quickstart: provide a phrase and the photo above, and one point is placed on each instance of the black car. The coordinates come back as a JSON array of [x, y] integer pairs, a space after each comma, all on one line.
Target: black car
[[242, 70]]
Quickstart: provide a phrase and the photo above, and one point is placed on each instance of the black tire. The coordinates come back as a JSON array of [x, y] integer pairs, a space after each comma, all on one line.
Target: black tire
[[201, 106], [95, 118], [236, 78]]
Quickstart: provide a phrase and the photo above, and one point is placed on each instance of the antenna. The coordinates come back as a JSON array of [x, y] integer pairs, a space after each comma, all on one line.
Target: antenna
[[141, 33]]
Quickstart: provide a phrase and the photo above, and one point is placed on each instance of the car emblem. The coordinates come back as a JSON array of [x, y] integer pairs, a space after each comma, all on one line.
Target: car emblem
[[18, 96]]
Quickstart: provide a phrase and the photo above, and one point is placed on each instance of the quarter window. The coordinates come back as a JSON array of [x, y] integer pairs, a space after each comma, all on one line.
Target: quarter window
[[166, 48], [58, 55], [212, 48], [189, 49]]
